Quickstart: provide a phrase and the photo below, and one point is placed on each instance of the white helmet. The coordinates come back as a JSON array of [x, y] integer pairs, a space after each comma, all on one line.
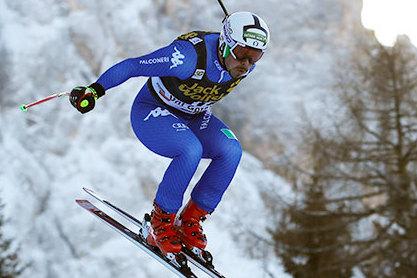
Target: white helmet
[[244, 29]]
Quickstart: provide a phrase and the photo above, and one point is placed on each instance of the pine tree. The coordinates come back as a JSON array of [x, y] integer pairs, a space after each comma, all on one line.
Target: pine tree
[[370, 156], [10, 266], [381, 99], [311, 236]]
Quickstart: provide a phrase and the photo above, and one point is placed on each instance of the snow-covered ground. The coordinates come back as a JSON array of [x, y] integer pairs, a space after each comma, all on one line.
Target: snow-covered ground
[[64, 241]]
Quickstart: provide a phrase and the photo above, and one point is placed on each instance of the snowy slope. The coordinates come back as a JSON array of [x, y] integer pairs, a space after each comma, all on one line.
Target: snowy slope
[[63, 241], [49, 153]]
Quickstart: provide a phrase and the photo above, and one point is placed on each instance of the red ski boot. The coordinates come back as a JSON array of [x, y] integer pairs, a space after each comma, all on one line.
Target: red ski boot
[[163, 233], [189, 227]]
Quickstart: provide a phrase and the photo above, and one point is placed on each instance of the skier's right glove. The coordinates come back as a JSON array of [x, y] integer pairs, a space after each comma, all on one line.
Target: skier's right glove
[[84, 98]]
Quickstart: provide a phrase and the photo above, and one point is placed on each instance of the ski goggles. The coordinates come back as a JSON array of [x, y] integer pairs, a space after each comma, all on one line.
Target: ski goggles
[[241, 52]]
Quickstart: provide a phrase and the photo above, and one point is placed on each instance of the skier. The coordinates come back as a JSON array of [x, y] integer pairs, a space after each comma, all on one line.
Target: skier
[[171, 116]]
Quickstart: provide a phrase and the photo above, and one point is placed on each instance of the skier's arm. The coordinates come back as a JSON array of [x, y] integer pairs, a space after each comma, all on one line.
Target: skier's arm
[[179, 59]]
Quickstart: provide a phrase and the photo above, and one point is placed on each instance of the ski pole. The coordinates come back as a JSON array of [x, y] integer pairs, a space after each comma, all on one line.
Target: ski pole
[[223, 7], [24, 107]]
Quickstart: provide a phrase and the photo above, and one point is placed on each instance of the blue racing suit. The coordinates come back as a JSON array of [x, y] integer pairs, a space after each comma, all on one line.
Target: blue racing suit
[[171, 116]]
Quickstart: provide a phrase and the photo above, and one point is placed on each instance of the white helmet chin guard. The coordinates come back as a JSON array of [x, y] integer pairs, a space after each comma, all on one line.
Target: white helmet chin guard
[[244, 29]]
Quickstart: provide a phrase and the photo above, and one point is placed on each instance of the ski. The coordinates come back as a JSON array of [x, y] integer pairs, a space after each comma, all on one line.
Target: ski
[[200, 258], [177, 263]]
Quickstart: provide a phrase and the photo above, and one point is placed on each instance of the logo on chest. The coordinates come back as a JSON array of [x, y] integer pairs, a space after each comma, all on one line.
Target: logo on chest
[[198, 74], [202, 93]]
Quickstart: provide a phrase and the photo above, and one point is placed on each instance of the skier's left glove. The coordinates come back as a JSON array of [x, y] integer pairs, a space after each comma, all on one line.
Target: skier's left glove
[[84, 98]]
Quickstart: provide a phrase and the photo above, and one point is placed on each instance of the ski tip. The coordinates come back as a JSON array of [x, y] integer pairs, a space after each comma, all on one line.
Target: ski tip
[[87, 189], [80, 202], [85, 204]]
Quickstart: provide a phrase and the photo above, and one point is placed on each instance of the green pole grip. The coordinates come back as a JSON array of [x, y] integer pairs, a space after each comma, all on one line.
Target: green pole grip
[[23, 108]]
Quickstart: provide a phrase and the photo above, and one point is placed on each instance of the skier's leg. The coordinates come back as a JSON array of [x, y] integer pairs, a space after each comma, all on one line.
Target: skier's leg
[[167, 135], [224, 149], [220, 144]]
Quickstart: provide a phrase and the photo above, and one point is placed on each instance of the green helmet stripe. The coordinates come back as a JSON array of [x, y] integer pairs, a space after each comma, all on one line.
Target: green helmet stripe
[[226, 51], [255, 36]]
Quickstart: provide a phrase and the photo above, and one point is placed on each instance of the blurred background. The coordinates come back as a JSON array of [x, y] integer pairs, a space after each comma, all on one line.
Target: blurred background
[[327, 186]]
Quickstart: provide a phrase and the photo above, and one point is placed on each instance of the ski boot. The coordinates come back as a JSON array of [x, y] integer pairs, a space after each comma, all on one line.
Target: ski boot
[[162, 232], [191, 232]]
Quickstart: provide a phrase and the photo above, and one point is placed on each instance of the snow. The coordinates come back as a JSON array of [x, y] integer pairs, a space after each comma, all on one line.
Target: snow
[[46, 203], [49, 153]]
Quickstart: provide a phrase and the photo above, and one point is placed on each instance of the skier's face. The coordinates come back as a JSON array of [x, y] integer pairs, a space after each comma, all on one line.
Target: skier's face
[[237, 68], [241, 60]]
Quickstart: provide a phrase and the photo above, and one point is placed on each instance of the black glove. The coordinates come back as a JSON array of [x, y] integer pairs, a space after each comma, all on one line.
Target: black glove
[[84, 98]]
